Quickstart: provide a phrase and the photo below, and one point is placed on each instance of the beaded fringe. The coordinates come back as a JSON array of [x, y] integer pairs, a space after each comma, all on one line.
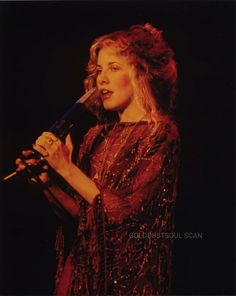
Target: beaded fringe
[[59, 246]]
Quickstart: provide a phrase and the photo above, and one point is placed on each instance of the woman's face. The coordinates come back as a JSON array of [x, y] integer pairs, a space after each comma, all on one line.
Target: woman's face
[[113, 80]]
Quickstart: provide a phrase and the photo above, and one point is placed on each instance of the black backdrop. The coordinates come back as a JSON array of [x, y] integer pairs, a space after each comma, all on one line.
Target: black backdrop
[[45, 47]]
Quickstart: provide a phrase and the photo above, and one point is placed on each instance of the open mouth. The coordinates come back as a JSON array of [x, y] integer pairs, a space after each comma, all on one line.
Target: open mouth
[[106, 94]]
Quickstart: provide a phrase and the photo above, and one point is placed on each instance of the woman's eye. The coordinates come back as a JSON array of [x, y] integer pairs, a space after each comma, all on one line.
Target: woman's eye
[[114, 68]]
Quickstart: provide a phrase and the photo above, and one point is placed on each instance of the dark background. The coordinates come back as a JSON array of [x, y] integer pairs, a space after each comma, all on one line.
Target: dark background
[[44, 49]]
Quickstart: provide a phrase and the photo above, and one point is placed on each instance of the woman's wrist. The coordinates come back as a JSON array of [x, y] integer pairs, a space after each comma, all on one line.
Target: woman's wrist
[[68, 172], [80, 182]]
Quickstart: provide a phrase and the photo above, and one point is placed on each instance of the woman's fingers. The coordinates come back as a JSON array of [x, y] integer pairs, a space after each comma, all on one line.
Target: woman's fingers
[[45, 143], [46, 140], [19, 161], [40, 149], [69, 144], [31, 161], [56, 153], [45, 167], [32, 181], [20, 167], [24, 162], [27, 153], [20, 164], [50, 136]]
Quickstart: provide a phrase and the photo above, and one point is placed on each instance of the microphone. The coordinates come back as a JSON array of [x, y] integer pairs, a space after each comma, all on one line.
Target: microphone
[[61, 127]]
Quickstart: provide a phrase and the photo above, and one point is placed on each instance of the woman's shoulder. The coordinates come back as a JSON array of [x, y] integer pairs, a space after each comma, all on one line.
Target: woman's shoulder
[[166, 128], [162, 135]]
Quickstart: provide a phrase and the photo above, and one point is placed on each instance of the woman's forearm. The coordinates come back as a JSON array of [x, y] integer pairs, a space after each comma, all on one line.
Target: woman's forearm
[[58, 198], [80, 182]]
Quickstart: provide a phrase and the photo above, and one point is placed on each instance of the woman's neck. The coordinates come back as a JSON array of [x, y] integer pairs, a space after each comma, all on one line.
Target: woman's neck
[[132, 115]]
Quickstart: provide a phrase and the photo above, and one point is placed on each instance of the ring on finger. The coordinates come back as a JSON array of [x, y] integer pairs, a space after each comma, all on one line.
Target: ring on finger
[[50, 141]]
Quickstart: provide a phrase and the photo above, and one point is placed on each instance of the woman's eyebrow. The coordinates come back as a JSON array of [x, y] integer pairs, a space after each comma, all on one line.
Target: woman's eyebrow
[[109, 64]]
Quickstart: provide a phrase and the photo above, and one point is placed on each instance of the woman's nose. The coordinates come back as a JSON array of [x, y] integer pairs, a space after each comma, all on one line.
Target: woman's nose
[[103, 78]]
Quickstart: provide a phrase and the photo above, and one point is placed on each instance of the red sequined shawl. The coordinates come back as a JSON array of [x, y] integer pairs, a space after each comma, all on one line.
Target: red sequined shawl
[[121, 247]]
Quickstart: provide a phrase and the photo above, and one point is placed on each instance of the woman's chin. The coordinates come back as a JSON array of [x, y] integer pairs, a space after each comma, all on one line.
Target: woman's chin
[[110, 107]]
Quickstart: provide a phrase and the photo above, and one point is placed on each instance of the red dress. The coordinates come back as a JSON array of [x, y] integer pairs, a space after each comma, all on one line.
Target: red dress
[[122, 245]]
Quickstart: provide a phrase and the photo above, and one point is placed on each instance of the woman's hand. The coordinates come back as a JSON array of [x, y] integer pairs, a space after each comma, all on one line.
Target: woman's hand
[[57, 154], [26, 160]]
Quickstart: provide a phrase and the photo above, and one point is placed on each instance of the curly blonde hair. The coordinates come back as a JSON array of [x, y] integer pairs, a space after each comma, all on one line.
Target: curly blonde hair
[[155, 79]]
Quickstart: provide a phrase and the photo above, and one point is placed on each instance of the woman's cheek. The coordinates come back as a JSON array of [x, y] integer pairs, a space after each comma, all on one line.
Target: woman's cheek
[[125, 81], [126, 86]]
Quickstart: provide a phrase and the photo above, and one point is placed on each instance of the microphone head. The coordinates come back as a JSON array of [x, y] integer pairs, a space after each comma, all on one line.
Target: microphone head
[[87, 95], [93, 103]]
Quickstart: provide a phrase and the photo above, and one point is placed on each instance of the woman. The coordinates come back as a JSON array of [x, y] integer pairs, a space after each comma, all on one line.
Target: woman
[[121, 192]]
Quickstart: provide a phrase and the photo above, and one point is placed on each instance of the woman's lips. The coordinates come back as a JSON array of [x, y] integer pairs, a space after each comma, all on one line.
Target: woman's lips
[[107, 95]]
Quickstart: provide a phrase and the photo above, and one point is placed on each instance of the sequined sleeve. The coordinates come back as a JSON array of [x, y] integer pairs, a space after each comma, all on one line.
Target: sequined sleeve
[[154, 179]]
